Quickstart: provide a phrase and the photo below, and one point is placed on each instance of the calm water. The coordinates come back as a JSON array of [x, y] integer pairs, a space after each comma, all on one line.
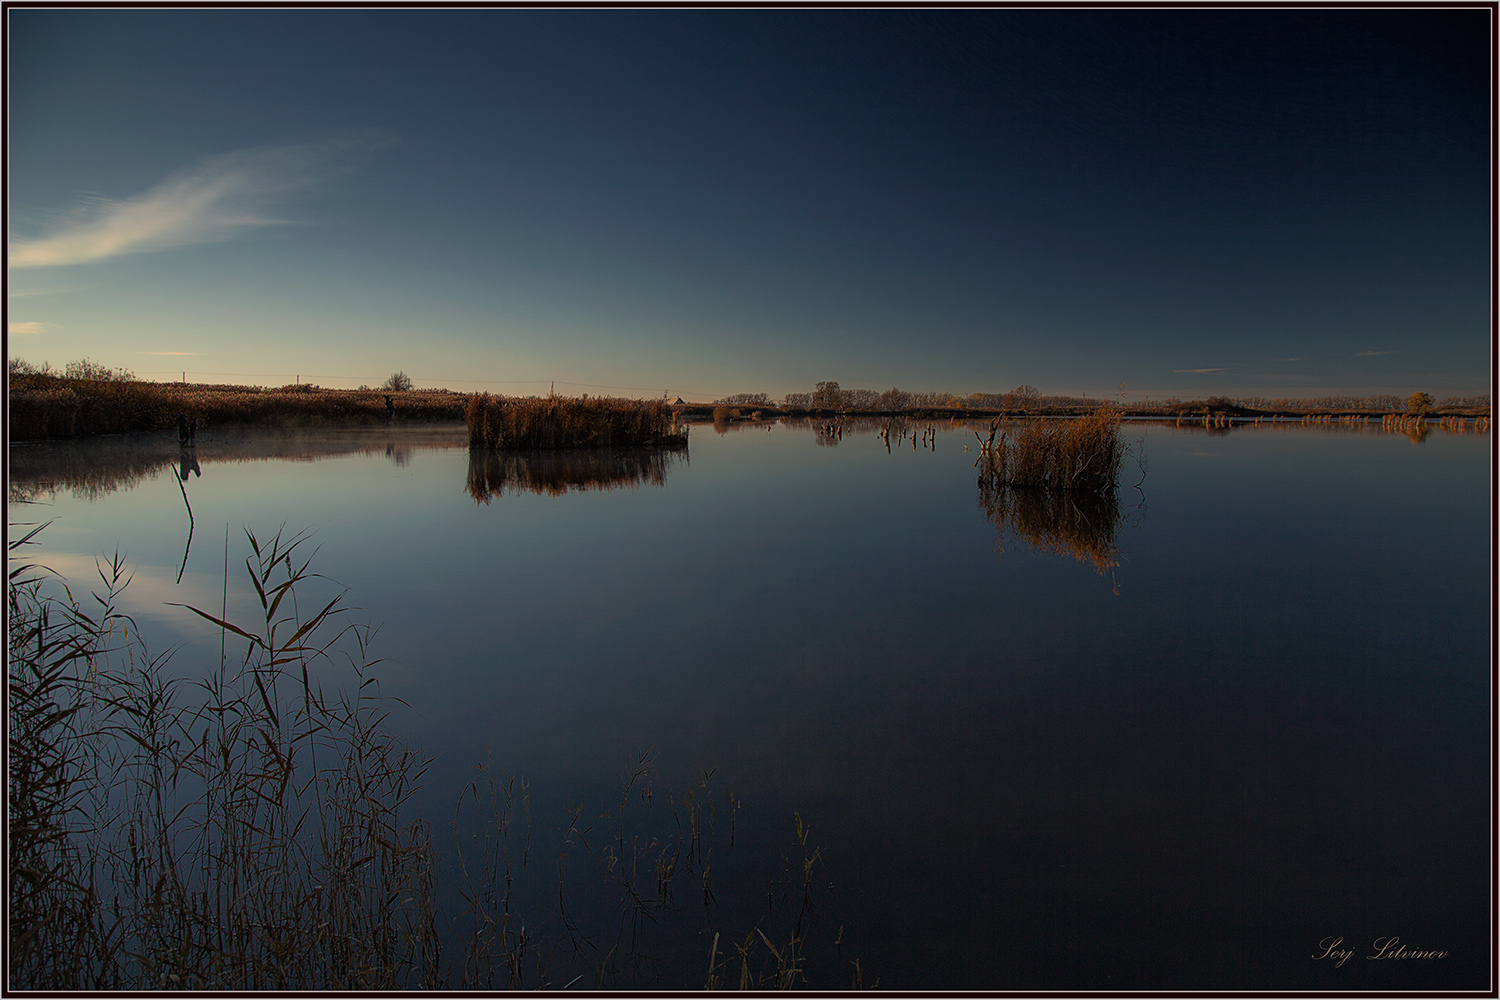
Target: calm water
[[1265, 727]]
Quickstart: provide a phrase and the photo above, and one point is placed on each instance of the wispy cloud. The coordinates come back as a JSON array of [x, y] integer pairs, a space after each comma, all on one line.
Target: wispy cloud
[[1291, 359], [1197, 371], [1372, 354], [15, 293], [213, 201], [28, 328]]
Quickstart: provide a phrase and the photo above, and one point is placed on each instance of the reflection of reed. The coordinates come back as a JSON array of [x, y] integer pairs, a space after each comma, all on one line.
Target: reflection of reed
[[493, 473], [89, 472], [91, 468], [1078, 523]]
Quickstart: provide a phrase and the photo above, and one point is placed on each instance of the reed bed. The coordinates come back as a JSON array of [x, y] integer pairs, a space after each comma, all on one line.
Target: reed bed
[[552, 422], [252, 831], [494, 473], [45, 406], [1080, 454]]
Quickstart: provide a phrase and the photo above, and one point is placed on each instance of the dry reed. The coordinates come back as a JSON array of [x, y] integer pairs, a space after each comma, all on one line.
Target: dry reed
[[249, 832], [243, 834], [1080, 454], [565, 422], [44, 406]]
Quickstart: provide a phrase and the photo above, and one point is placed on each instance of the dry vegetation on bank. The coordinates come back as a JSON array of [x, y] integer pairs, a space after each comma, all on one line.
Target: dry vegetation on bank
[[86, 398], [45, 406]]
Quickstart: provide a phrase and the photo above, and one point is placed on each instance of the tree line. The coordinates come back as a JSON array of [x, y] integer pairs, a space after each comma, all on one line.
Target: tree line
[[1024, 398]]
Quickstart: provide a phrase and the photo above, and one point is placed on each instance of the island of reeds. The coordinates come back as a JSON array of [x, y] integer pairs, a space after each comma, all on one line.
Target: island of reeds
[[554, 422], [1054, 484], [1079, 454]]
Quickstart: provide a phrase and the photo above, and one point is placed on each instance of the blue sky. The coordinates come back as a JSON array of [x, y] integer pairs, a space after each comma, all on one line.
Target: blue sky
[[1266, 201]]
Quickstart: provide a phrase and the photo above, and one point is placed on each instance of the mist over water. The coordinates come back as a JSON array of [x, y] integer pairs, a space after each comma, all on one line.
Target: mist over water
[[1175, 744]]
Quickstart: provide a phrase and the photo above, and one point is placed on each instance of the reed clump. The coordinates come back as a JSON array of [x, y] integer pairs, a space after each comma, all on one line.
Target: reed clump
[[552, 422], [1080, 454]]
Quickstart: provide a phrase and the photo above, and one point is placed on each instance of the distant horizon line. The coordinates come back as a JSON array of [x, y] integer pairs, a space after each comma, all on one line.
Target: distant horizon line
[[1132, 395]]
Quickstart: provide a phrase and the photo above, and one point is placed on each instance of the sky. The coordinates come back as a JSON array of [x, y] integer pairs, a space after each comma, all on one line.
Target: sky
[[1280, 202]]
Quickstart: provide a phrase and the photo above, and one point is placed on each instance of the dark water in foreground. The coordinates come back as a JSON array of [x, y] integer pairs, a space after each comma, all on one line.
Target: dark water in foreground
[[1265, 727]]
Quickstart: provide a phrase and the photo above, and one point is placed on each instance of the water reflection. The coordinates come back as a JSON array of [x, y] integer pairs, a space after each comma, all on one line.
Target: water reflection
[[92, 468], [1083, 524], [492, 473]]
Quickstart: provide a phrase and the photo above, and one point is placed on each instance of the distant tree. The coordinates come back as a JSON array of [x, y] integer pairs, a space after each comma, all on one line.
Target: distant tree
[[1467, 401], [1419, 402], [20, 366], [1023, 397], [399, 382], [828, 396]]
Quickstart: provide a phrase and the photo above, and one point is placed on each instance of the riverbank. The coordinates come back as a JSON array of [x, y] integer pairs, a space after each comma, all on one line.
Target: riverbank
[[48, 407]]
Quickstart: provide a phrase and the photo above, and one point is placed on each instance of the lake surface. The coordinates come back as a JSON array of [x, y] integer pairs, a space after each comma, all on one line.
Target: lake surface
[[1265, 727]]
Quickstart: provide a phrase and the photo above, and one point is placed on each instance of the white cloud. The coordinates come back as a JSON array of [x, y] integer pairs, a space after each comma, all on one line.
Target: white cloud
[[28, 328], [1197, 371], [213, 201]]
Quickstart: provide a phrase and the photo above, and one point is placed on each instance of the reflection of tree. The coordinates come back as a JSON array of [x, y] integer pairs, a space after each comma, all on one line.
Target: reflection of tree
[[493, 473], [1078, 523]]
